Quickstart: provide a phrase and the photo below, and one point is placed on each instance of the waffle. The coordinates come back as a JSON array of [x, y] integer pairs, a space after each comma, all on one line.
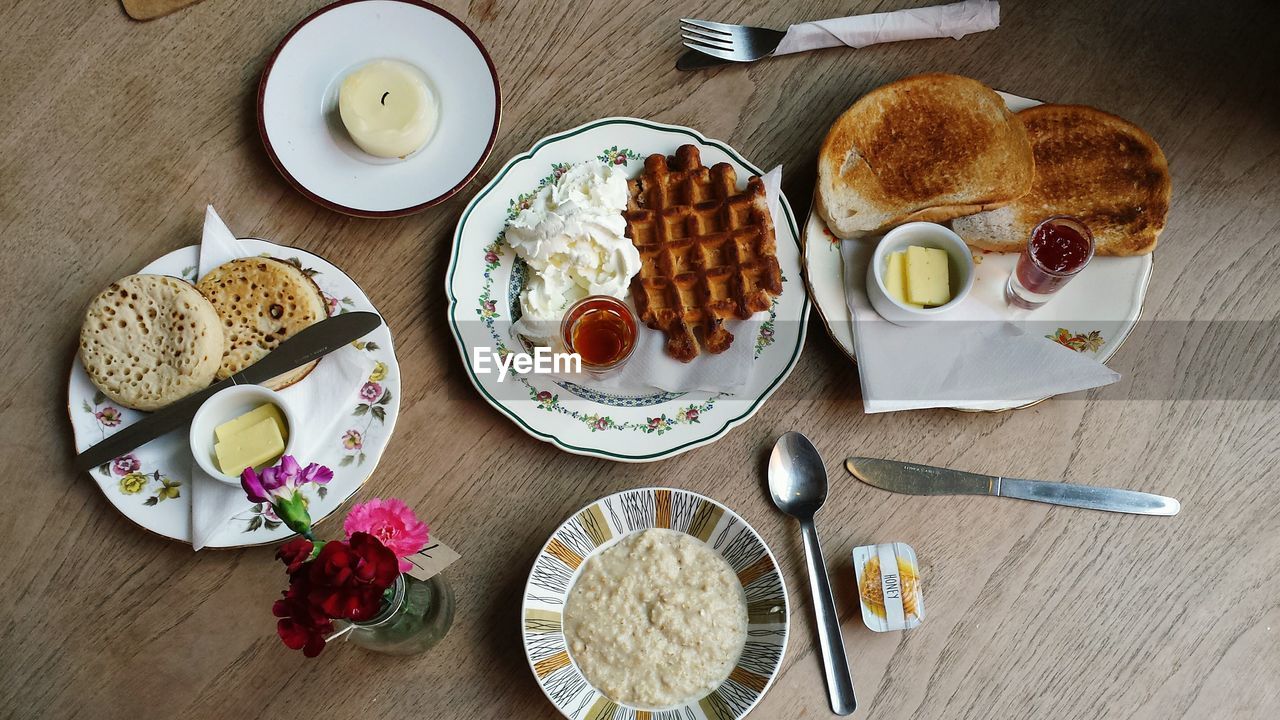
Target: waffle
[[707, 251]]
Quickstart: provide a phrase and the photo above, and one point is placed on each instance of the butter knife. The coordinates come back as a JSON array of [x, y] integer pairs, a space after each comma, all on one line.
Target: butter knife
[[913, 479], [311, 343]]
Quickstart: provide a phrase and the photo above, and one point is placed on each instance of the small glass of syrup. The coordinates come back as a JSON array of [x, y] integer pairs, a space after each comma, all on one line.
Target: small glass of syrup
[[1059, 248], [602, 330]]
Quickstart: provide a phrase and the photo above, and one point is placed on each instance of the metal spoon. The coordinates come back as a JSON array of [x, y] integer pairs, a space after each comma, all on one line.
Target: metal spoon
[[798, 484]]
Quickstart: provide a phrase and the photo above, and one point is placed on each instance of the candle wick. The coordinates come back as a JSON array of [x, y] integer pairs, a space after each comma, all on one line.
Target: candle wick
[[384, 97]]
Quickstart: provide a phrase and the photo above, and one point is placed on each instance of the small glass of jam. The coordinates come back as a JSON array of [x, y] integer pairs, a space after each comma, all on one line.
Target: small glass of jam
[[1059, 248], [602, 330]]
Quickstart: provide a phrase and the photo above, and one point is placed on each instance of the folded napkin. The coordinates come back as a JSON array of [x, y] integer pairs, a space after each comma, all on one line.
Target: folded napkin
[[651, 369], [332, 385], [970, 357], [955, 20]]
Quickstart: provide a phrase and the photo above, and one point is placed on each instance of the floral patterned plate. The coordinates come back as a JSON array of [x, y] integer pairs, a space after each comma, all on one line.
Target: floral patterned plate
[[485, 278], [150, 484], [606, 521], [1094, 314]]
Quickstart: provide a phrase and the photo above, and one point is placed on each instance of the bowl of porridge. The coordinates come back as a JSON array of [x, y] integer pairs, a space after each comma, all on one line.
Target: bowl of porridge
[[652, 600]]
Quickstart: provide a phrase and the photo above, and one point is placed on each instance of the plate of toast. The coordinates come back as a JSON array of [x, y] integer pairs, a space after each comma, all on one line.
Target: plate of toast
[[157, 336], [679, 221], [991, 166]]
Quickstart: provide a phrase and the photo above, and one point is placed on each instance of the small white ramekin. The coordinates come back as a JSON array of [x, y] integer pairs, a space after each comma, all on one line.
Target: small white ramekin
[[227, 405], [922, 234]]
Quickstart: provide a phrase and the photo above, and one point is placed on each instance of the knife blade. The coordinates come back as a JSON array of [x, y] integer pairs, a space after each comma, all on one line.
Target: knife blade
[[914, 479], [311, 343]]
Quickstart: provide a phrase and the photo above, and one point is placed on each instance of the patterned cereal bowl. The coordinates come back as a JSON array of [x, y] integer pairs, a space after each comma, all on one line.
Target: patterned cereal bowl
[[603, 523]]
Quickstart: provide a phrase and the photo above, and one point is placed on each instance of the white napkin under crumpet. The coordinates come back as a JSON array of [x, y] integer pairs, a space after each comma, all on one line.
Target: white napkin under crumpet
[[955, 21], [332, 385], [651, 369], [968, 358]]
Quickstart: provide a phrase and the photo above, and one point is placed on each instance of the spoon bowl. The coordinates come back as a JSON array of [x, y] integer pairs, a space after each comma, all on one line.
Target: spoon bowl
[[797, 477]]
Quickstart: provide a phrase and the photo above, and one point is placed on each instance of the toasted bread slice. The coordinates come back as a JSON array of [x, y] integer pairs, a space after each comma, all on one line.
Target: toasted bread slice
[[927, 147], [1091, 165]]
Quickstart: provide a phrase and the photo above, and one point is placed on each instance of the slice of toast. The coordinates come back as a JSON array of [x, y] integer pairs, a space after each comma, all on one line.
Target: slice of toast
[[1094, 166], [927, 147]]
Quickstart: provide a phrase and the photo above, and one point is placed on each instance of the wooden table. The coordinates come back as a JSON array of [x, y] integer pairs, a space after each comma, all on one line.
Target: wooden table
[[118, 133]]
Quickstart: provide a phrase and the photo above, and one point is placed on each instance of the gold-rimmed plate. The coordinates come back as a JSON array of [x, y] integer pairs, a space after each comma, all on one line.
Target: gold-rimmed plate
[[1092, 315], [151, 485]]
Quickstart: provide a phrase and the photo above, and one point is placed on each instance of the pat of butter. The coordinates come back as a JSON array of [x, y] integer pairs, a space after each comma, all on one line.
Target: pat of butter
[[254, 446], [895, 278], [928, 276], [253, 417]]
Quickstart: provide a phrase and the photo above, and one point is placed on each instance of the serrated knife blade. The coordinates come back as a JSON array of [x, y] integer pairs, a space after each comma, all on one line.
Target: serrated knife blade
[[915, 479]]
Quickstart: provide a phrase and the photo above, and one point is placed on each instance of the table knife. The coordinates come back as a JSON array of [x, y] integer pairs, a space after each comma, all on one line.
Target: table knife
[[311, 343], [913, 479]]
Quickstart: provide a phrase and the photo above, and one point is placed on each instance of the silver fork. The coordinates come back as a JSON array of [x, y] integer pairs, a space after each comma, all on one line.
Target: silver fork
[[736, 43]]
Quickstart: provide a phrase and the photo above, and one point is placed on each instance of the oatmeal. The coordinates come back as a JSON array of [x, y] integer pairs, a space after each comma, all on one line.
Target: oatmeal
[[657, 620]]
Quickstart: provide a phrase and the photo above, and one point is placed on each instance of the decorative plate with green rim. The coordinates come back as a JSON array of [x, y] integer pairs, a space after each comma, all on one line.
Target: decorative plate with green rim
[[601, 524], [485, 278], [1093, 314], [150, 485]]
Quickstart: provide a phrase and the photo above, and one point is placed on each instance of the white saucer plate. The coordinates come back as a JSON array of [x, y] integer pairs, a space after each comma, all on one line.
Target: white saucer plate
[[151, 485], [1093, 314], [306, 141], [483, 295]]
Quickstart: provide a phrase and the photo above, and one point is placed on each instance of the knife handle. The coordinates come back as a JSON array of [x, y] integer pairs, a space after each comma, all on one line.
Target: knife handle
[[1086, 496]]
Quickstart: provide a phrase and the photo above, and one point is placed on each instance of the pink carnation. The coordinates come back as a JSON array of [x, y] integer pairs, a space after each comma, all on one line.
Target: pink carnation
[[393, 523]]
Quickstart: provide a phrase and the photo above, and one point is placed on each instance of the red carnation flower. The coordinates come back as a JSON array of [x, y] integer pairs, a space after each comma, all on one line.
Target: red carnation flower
[[302, 626], [346, 580], [294, 553]]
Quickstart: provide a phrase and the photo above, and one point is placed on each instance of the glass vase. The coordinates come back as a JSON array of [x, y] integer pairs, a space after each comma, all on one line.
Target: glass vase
[[416, 616]]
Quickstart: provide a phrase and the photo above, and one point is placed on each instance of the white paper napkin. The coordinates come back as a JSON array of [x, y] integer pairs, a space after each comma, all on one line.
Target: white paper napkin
[[955, 20], [651, 368], [970, 357], [333, 384]]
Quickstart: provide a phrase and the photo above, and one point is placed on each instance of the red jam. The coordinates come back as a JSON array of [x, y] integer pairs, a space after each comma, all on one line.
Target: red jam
[[1057, 251], [601, 329]]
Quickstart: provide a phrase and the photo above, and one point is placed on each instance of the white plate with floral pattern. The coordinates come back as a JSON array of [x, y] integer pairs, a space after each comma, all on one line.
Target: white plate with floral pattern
[[483, 288], [604, 522], [149, 485], [1093, 314]]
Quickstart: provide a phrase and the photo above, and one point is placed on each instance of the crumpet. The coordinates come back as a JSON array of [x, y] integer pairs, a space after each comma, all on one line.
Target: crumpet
[[262, 302], [148, 340]]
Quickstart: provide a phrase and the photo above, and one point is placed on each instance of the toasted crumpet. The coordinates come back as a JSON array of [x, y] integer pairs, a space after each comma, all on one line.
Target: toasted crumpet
[[148, 340], [262, 302]]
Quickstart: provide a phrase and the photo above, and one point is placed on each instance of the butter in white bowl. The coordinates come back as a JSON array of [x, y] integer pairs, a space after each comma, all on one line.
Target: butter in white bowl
[[919, 271], [388, 108], [241, 426]]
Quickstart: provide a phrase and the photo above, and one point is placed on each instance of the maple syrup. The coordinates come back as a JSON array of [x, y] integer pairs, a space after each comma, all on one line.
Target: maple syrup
[[602, 330]]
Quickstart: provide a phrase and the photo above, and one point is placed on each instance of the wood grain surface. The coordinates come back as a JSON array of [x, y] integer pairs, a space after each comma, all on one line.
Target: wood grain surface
[[152, 9], [117, 134]]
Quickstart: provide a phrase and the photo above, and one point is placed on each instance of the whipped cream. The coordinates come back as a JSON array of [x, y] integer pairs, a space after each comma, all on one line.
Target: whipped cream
[[572, 236]]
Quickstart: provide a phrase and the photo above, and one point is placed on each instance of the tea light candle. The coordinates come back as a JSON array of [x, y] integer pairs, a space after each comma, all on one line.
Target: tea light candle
[[387, 108]]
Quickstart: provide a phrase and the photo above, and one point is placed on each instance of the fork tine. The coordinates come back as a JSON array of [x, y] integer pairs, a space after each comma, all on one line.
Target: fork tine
[[723, 44], [709, 25], [715, 52], [708, 33]]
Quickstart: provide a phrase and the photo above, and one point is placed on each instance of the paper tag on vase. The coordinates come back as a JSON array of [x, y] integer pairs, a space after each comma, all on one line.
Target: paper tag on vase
[[431, 560]]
